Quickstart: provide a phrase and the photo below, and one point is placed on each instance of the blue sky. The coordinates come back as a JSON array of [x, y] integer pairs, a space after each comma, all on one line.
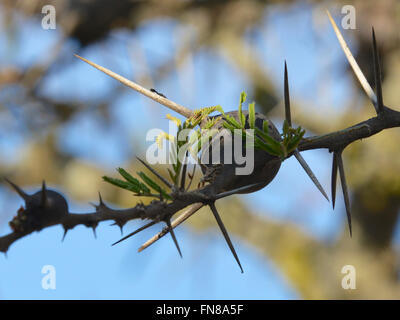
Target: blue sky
[[92, 269]]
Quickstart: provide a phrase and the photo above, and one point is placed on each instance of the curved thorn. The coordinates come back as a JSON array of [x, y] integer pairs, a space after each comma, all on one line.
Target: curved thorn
[[377, 73], [334, 179], [152, 95], [225, 233], [171, 231], [65, 233], [94, 232], [135, 232], [345, 190], [287, 98], [309, 172], [101, 203], [353, 63], [21, 192], [159, 176], [120, 225]]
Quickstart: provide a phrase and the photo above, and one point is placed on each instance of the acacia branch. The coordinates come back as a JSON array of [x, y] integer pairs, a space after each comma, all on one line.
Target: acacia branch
[[160, 210], [40, 213], [333, 141], [29, 219]]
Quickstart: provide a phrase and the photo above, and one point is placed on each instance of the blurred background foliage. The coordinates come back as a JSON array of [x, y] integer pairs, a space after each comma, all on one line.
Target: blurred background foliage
[[41, 113]]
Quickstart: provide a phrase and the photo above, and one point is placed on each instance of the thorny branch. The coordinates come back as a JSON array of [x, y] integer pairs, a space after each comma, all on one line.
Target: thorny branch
[[47, 208]]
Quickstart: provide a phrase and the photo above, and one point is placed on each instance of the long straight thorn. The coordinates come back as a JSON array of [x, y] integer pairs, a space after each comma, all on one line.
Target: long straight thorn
[[171, 231], [148, 93], [297, 154], [225, 233], [21, 192], [345, 190], [136, 231], [334, 179], [237, 190], [353, 63], [183, 173], [287, 98], [377, 73], [310, 173]]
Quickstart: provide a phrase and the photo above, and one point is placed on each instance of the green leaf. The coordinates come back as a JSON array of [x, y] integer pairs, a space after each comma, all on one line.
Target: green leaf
[[293, 143], [122, 184], [153, 185], [262, 134], [265, 126], [211, 122], [228, 126], [268, 148], [144, 188], [242, 118], [252, 115], [127, 176], [274, 147], [219, 108], [232, 121], [285, 127], [243, 97]]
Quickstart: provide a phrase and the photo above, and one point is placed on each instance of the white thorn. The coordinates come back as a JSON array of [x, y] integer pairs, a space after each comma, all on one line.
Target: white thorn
[[353, 63]]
